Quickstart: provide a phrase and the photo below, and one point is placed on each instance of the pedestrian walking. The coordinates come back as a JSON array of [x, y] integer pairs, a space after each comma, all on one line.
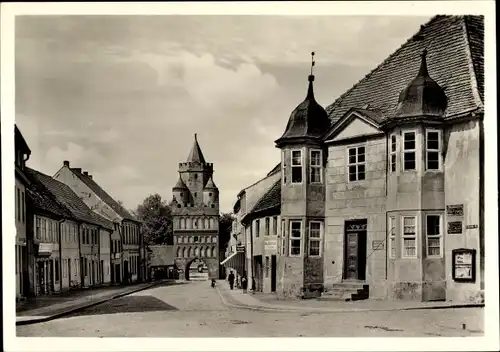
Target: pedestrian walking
[[244, 283], [231, 280]]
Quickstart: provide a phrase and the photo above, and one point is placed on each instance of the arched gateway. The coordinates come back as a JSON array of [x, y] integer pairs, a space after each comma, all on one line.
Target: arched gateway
[[195, 217]]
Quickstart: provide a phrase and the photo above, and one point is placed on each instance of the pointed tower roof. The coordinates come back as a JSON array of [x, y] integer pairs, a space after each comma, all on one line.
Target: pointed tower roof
[[195, 155], [423, 96], [210, 184], [180, 184], [308, 120]]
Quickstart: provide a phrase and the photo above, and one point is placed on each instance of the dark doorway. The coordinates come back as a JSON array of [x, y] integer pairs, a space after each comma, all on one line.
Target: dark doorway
[[117, 274], [69, 272], [273, 273], [101, 270], [196, 270], [259, 271], [355, 250], [125, 271]]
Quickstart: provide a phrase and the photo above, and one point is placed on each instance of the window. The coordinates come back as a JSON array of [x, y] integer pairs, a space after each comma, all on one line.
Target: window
[[393, 153], [409, 151], [409, 236], [275, 226], [392, 237], [18, 198], [433, 231], [433, 150], [295, 238], [49, 231], [315, 166], [44, 229], [87, 235], [38, 229], [267, 227], [196, 239], [314, 238], [296, 166], [283, 175], [283, 240], [356, 164], [57, 270], [257, 228]]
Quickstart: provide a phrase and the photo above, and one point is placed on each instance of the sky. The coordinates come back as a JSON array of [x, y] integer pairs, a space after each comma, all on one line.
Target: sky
[[122, 96]]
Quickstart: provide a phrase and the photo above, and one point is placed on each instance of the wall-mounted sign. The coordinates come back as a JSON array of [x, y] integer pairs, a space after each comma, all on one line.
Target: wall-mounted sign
[[240, 248], [455, 210], [468, 227], [454, 227], [377, 245], [270, 245], [464, 265]]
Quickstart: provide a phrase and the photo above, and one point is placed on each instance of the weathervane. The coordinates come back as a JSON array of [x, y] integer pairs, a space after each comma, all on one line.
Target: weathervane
[[312, 62]]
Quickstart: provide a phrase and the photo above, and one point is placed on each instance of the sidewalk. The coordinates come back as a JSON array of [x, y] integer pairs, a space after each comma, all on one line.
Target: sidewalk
[[269, 302], [45, 308]]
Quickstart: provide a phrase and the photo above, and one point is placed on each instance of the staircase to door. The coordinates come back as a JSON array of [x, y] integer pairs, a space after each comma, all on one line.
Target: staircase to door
[[349, 290]]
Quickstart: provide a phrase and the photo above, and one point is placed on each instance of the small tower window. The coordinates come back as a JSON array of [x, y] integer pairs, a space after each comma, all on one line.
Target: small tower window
[[212, 205], [315, 166], [195, 176], [182, 194], [195, 194], [196, 239], [409, 151], [393, 152], [296, 166], [210, 194]]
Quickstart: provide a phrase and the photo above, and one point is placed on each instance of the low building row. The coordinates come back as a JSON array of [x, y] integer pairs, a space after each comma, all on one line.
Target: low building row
[[70, 233]]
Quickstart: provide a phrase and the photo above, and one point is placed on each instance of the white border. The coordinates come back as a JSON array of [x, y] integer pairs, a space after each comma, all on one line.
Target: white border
[[487, 8]]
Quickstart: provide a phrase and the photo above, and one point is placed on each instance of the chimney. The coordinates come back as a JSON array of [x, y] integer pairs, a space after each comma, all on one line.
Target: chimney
[[66, 163], [90, 176], [78, 170], [86, 173]]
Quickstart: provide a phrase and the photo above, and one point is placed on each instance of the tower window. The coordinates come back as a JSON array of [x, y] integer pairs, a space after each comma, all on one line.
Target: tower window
[[195, 176], [393, 153], [210, 194], [433, 149], [196, 239], [295, 238], [182, 194], [212, 205], [409, 151], [195, 194], [296, 166], [315, 166], [357, 164], [283, 176]]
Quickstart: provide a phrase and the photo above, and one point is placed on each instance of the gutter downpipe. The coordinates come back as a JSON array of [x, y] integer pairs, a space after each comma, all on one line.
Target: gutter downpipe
[[387, 136], [81, 261], [60, 253]]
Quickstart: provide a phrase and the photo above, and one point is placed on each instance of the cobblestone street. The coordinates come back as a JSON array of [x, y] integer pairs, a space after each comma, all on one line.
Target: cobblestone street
[[196, 310]]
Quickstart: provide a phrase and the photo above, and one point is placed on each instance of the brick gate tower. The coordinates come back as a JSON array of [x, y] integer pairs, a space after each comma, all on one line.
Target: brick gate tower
[[195, 215]]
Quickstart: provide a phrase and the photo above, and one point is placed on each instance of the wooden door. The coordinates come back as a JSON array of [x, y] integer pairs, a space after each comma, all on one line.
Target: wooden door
[[352, 256]]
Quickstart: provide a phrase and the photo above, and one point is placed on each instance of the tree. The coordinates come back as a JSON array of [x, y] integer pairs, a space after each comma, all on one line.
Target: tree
[[156, 217], [225, 224]]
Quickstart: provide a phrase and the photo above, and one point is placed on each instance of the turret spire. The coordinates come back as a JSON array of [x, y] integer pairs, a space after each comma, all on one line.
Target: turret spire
[[196, 156], [423, 65], [310, 90]]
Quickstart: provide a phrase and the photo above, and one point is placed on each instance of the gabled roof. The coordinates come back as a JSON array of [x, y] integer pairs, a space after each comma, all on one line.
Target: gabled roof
[[180, 184], [275, 169], [455, 48], [271, 200], [20, 142], [103, 195], [195, 155], [161, 255], [41, 198], [63, 200], [210, 184]]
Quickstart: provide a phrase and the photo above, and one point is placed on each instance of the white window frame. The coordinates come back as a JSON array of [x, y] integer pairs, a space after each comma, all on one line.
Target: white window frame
[[301, 166], [393, 153], [267, 226], [403, 236], [355, 164], [275, 226], [283, 237], [427, 150], [291, 238], [257, 228], [316, 239], [316, 167], [392, 236], [405, 151], [283, 168], [440, 236]]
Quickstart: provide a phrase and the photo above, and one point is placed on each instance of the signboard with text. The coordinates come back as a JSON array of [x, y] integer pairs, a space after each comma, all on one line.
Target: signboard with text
[[464, 265], [455, 210]]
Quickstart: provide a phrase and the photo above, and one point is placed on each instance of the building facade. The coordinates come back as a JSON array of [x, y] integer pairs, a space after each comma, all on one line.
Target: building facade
[[126, 264], [23, 152], [382, 191], [195, 216]]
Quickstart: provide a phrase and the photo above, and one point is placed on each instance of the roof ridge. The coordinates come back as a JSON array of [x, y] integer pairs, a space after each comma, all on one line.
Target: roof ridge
[[397, 51], [278, 182], [474, 82]]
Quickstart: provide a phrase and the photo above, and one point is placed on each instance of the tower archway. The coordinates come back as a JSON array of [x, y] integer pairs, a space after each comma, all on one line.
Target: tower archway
[[196, 270]]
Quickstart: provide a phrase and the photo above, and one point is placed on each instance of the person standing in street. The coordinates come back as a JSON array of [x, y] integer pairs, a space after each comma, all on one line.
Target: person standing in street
[[244, 282], [231, 280]]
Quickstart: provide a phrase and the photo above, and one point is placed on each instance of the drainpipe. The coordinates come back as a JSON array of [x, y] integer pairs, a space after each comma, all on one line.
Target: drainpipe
[[251, 256], [80, 259], [99, 269], [387, 166], [60, 253]]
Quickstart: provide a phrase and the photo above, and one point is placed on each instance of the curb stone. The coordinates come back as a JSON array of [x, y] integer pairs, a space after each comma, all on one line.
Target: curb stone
[[341, 310], [80, 308]]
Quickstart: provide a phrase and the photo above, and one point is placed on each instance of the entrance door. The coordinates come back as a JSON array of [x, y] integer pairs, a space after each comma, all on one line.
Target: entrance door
[[69, 273], [355, 250], [273, 273]]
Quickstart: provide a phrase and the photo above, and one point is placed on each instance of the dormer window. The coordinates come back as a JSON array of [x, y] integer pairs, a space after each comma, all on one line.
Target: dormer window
[[409, 151], [315, 166], [296, 166], [433, 149]]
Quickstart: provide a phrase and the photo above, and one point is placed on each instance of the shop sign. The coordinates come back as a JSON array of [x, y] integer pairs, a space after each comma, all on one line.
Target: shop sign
[[240, 249], [455, 210], [270, 245], [464, 265], [454, 227], [377, 245]]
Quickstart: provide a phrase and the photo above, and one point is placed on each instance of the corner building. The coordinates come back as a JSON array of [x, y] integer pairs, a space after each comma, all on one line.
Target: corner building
[[195, 215], [382, 191]]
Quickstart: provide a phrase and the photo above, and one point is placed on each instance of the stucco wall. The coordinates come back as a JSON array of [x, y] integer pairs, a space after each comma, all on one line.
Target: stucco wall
[[462, 186], [364, 199]]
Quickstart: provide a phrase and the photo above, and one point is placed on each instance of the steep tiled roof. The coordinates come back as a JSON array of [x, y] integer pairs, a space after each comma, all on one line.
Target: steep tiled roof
[[210, 184], [271, 199], [161, 255], [103, 195], [195, 155], [41, 198], [180, 184], [455, 62], [275, 169], [62, 199]]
